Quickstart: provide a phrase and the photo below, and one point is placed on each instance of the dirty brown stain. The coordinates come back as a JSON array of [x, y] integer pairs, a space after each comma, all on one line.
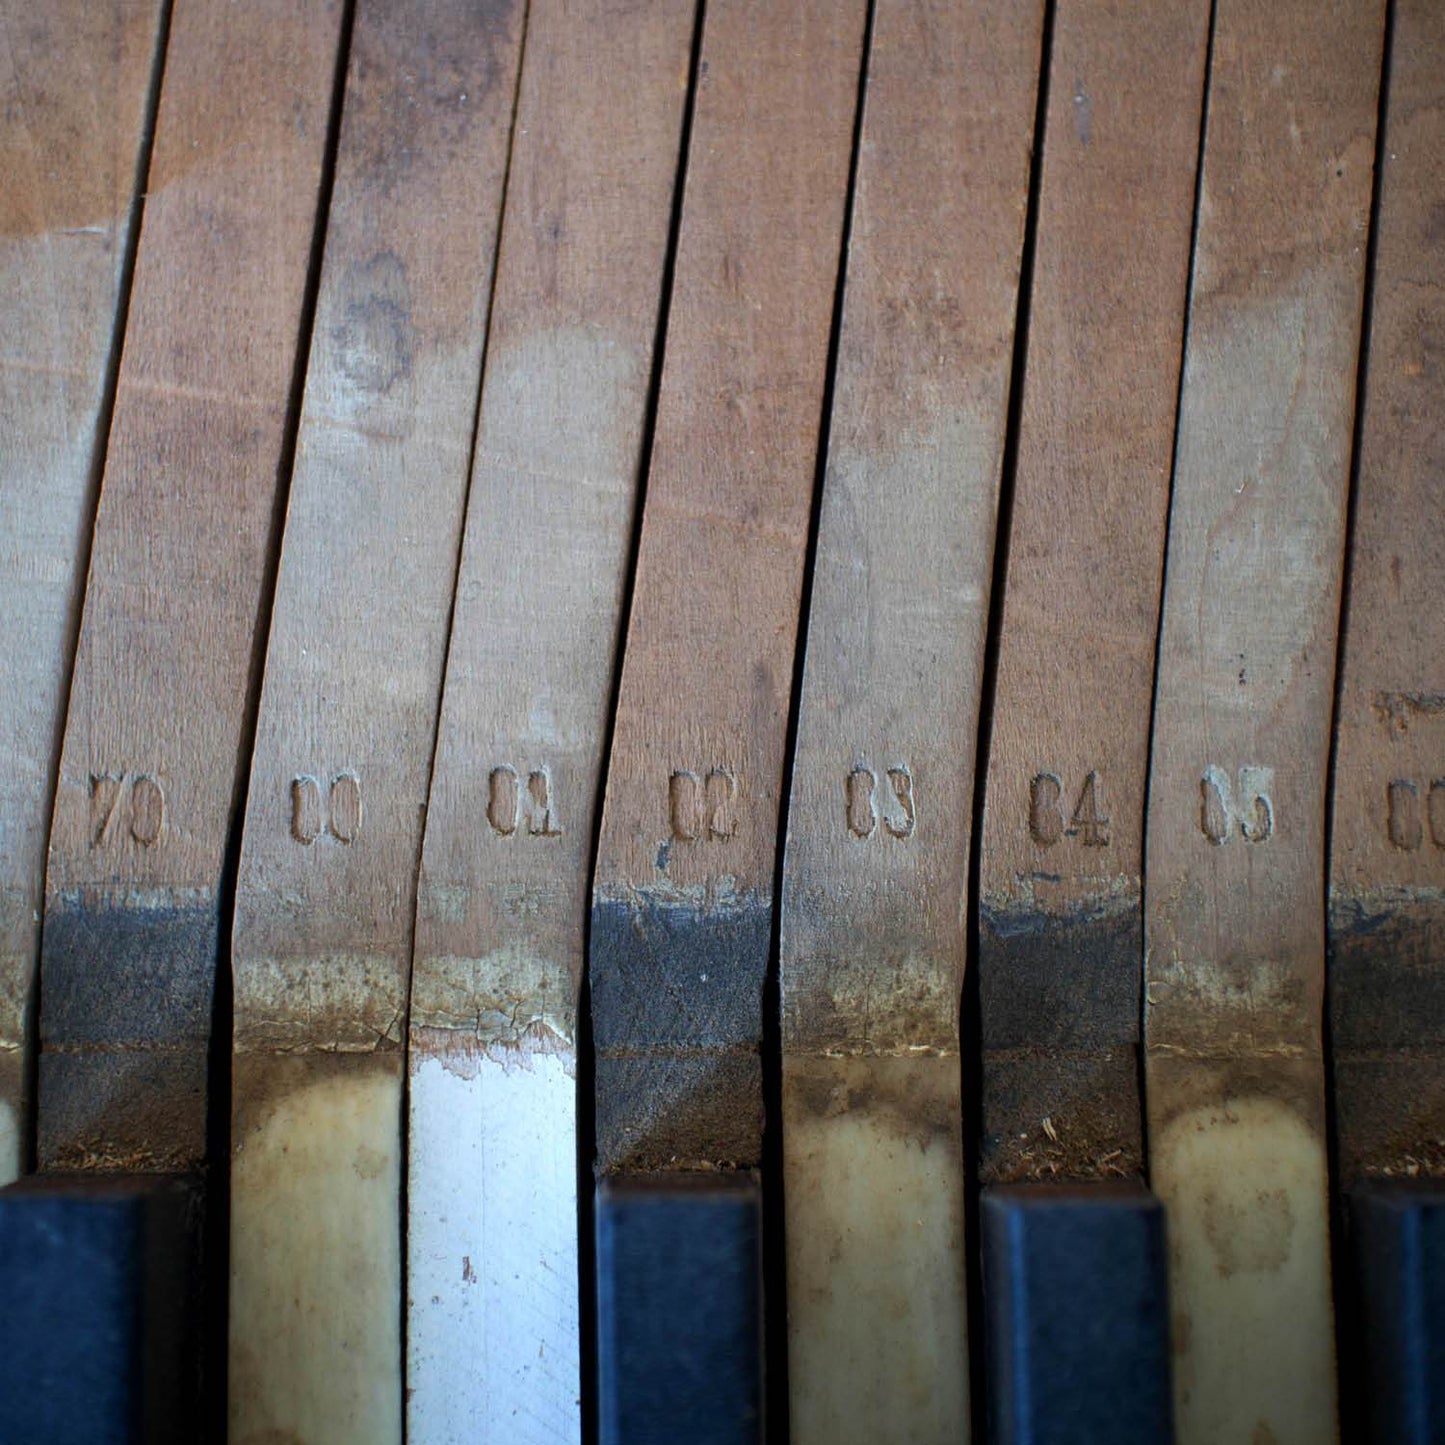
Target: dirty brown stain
[[1254, 1239], [373, 337]]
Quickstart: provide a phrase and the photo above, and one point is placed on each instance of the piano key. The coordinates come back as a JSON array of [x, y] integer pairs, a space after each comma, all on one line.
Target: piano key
[[100, 1297], [1399, 1237], [1061, 908], [1076, 1306], [326, 890], [682, 895], [1078, 1324], [158, 699], [178, 561], [680, 1350], [876, 874], [1234, 913], [76, 88], [493, 1343], [1387, 870]]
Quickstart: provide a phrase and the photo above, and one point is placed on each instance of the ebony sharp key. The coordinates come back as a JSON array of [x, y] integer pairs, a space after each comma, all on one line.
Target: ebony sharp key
[[682, 899], [1387, 849], [1061, 914], [1078, 1318]]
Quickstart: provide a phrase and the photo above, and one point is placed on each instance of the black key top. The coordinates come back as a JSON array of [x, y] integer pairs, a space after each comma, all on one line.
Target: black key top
[[1398, 1232], [1077, 1315], [99, 1337], [679, 1310]]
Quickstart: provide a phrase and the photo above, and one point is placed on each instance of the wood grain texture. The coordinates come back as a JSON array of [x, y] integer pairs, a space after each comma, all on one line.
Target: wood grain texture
[[492, 1339], [326, 893], [1387, 852], [682, 899], [875, 879], [75, 85], [1235, 839], [1061, 914], [149, 772]]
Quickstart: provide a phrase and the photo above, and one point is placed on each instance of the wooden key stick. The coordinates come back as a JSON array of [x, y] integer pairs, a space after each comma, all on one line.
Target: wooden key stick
[[878, 828], [492, 1335], [1387, 852], [1234, 865], [343, 754], [149, 772], [1387, 855], [682, 901], [75, 86], [1061, 915]]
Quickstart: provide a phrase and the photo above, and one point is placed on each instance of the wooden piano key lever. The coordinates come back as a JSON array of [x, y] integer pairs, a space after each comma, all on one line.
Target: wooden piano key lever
[[417, 418], [683, 886], [1074, 1288], [494, 1344], [1235, 851], [1387, 848], [873, 933], [155, 734], [325, 898]]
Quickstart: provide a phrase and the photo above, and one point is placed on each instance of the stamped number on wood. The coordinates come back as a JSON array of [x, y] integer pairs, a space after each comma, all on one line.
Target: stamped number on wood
[[513, 807], [333, 809], [889, 801], [1415, 808], [126, 805], [702, 805], [1087, 823], [1245, 809]]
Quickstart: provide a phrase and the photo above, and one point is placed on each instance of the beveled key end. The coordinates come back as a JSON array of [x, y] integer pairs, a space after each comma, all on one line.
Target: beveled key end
[[99, 1335], [679, 1309], [1398, 1232], [1077, 1315]]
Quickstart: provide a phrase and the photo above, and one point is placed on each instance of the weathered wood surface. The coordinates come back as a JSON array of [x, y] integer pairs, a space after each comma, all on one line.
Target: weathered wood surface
[[1387, 854], [75, 86], [492, 1339], [682, 902], [1235, 839], [875, 880], [152, 753], [1061, 914], [326, 891]]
